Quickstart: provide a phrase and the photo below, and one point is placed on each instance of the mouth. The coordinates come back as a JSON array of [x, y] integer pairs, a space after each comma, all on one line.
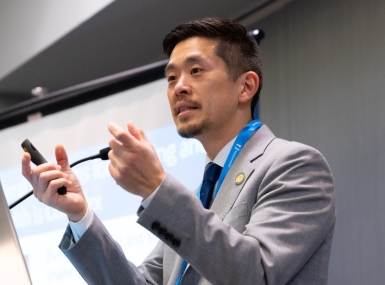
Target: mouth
[[185, 109]]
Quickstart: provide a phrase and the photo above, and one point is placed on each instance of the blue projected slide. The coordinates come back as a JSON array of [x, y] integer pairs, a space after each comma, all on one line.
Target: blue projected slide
[[40, 228]]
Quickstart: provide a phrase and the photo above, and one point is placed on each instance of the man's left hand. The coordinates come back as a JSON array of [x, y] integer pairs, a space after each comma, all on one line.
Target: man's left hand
[[134, 165]]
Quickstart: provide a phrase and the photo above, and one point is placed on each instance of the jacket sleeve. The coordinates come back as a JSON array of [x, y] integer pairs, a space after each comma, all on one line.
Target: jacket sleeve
[[100, 260]]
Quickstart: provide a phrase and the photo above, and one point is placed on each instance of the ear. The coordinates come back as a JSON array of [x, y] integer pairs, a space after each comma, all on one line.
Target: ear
[[250, 85]]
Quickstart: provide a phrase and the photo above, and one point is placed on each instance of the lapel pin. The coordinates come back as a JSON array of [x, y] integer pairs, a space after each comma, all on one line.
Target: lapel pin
[[239, 179]]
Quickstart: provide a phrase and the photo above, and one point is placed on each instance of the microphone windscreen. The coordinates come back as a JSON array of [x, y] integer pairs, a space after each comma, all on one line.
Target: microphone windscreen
[[104, 153]]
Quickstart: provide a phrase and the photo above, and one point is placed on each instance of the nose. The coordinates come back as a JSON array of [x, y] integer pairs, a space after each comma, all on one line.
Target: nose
[[182, 87]]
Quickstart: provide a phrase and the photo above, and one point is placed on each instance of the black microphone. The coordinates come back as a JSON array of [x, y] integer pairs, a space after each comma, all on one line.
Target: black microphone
[[103, 155]]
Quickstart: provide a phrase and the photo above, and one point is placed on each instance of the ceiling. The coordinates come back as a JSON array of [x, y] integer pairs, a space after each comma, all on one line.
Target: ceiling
[[124, 35]]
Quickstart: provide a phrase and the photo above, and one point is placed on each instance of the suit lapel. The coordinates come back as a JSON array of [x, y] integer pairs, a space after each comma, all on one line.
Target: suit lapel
[[230, 190]]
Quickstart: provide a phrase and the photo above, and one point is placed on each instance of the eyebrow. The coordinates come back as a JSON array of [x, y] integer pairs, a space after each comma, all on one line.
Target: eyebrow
[[190, 59]]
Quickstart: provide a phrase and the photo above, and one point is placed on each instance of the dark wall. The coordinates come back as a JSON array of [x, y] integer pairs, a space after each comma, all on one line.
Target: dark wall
[[324, 86]]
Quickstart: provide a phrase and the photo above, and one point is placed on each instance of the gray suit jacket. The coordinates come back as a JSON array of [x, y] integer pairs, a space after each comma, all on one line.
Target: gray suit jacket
[[275, 227]]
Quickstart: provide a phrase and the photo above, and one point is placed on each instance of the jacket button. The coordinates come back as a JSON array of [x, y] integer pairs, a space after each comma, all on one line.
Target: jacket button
[[155, 225], [176, 242], [169, 236], [162, 231]]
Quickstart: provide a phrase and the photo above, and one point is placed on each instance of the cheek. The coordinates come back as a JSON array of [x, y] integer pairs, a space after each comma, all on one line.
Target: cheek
[[224, 103], [169, 91], [170, 96]]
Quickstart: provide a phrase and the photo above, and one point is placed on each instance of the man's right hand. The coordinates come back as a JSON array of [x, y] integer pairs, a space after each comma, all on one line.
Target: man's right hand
[[48, 177]]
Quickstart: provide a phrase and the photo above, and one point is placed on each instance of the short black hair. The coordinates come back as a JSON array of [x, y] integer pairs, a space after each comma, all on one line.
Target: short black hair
[[235, 46]]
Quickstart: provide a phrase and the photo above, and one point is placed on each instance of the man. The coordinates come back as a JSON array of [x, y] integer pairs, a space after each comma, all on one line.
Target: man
[[272, 219]]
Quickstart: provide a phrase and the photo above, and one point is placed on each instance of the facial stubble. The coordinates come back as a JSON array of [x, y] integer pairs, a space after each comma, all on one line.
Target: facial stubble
[[192, 131]]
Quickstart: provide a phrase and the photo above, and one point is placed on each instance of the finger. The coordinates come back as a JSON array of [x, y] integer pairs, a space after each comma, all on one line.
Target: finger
[[50, 194], [113, 157], [52, 175], [122, 135], [26, 169], [61, 157], [55, 184], [123, 158], [115, 144], [136, 132], [46, 177], [38, 170]]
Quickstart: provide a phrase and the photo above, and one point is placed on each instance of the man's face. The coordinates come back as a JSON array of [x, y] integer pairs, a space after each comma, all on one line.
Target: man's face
[[202, 96]]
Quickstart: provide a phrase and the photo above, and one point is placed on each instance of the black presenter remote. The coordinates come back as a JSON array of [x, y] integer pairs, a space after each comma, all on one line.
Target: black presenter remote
[[38, 159]]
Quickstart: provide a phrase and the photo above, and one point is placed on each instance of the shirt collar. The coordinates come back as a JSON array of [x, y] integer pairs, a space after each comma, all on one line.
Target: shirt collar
[[221, 157]]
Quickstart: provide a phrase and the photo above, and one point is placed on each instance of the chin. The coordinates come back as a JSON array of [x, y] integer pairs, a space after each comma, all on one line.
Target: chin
[[191, 131]]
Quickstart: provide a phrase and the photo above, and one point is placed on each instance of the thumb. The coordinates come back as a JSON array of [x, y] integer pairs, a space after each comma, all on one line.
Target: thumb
[[26, 166], [61, 157]]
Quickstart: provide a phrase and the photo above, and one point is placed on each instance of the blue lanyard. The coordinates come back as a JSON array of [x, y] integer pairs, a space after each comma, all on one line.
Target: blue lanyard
[[246, 133], [239, 143]]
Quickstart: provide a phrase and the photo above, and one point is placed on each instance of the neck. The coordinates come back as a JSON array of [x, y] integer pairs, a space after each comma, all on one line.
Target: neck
[[214, 141]]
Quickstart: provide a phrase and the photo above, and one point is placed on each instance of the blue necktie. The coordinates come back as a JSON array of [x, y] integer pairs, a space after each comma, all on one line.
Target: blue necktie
[[210, 177]]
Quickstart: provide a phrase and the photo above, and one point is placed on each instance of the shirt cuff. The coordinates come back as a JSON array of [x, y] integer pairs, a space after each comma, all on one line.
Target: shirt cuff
[[79, 228], [146, 202]]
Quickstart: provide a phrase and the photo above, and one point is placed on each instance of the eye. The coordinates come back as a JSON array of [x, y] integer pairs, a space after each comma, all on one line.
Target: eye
[[195, 70], [171, 78]]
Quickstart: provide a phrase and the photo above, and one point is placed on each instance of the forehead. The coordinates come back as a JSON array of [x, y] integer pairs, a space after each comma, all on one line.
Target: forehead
[[195, 49]]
